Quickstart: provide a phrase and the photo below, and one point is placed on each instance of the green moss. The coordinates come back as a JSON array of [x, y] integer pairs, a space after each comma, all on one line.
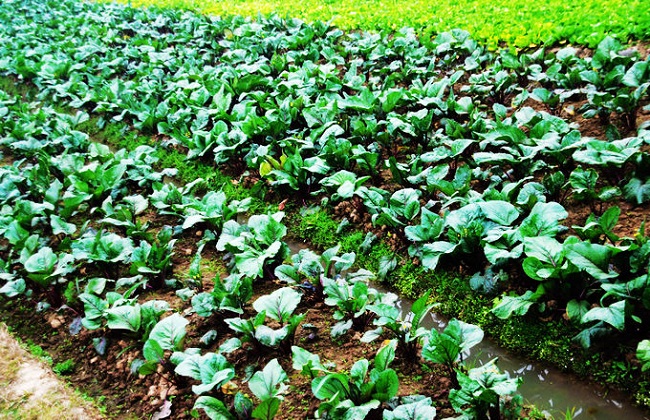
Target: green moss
[[14, 87], [315, 226]]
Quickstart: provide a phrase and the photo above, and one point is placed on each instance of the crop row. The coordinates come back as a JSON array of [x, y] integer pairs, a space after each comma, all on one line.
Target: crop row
[[516, 23], [463, 154], [75, 221]]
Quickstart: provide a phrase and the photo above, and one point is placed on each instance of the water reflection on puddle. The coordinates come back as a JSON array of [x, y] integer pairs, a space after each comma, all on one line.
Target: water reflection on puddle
[[547, 388]]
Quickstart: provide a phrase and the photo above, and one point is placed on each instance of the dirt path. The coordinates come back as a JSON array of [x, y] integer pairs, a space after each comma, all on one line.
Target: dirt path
[[30, 390]]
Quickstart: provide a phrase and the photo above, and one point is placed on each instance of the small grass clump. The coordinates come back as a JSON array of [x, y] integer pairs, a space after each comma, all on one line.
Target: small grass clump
[[64, 368]]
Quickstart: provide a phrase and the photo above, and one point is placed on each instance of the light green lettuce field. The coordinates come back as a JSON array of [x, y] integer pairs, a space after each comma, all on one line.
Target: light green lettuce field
[[518, 23]]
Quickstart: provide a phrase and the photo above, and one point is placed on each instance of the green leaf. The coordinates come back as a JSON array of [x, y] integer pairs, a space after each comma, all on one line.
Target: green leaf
[[94, 308], [222, 100], [643, 354], [446, 347], [592, 258], [637, 191], [545, 249], [613, 315], [280, 304], [125, 317], [431, 253], [305, 361], [588, 335], [385, 356], [214, 408], [13, 288], [270, 337], [429, 229], [243, 406], [153, 352], [267, 229], [169, 332], [418, 410], [358, 371], [517, 305], [41, 262], [204, 304], [230, 345], [267, 409], [215, 371], [543, 220], [269, 383], [332, 385], [61, 226], [575, 309], [386, 385], [500, 212]]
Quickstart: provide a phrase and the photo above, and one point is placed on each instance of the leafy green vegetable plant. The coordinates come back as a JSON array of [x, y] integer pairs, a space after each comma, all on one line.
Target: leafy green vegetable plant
[[447, 347], [168, 334], [257, 246], [279, 306], [353, 302], [481, 391], [268, 385], [353, 394], [405, 329]]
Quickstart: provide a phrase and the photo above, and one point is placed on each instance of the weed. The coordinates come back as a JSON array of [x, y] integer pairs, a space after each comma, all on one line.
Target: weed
[[64, 368]]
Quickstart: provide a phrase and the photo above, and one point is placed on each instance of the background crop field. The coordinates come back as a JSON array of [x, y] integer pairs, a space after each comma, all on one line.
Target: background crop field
[[517, 23]]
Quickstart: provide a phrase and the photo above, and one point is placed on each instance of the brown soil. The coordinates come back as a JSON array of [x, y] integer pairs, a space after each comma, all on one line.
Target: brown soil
[[126, 394]]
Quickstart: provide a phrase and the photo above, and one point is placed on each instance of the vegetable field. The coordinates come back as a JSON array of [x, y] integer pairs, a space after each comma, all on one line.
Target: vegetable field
[[495, 23], [159, 167]]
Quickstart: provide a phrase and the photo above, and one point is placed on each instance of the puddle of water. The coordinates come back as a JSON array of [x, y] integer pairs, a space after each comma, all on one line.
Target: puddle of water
[[547, 388]]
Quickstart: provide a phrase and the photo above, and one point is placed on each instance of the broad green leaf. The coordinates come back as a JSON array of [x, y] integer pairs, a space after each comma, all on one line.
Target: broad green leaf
[[575, 309], [545, 249], [517, 305], [643, 354], [613, 315], [385, 356], [215, 371], [13, 288], [269, 382], [41, 262], [153, 352], [418, 410], [214, 408], [124, 317], [358, 371], [431, 253], [61, 226], [94, 308], [305, 361], [269, 336], [543, 220], [280, 304], [592, 258], [332, 385], [500, 212], [386, 385], [169, 332], [267, 409]]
